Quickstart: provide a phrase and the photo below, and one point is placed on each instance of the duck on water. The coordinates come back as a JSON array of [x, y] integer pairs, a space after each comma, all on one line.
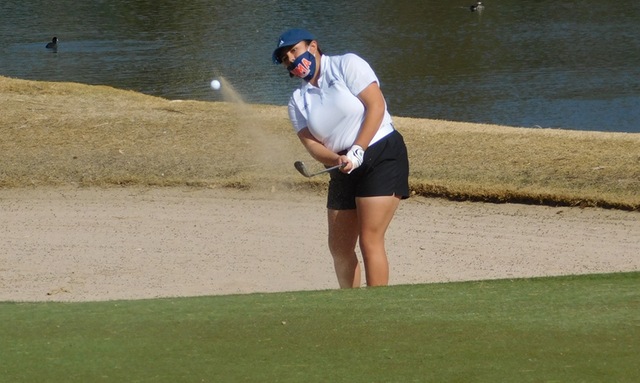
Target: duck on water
[[53, 44], [477, 7]]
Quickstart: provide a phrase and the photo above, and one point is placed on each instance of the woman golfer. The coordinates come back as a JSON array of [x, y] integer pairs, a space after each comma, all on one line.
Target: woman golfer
[[341, 118]]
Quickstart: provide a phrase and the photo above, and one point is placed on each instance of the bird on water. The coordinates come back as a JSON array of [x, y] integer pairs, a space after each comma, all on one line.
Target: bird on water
[[53, 44], [477, 7]]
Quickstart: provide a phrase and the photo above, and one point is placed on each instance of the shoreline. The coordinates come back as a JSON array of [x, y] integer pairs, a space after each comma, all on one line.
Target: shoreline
[[60, 134]]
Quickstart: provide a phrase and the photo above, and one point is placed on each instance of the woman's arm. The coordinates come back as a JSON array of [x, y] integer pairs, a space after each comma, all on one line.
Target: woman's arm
[[317, 150], [374, 104], [374, 107]]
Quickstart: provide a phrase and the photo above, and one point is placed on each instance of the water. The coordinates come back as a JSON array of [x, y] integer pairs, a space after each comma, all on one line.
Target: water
[[562, 64]]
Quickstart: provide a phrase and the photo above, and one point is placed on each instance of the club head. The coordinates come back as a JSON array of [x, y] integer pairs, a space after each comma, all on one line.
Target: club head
[[299, 165]]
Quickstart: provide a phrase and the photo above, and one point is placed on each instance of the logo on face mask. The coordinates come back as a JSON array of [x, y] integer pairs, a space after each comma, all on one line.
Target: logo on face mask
[[304, 66]]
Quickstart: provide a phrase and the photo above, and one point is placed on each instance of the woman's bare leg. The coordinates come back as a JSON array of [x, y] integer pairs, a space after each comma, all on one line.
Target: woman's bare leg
[[343, 236], [375, 215]]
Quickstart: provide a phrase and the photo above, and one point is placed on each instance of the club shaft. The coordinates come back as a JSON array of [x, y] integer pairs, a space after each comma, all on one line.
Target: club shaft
[[327, 170]]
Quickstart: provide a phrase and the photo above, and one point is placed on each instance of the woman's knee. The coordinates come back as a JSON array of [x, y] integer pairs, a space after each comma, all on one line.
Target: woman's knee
[[342, 249]]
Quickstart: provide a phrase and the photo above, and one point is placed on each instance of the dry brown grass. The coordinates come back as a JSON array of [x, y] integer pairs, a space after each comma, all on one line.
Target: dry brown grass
[[63, 133]]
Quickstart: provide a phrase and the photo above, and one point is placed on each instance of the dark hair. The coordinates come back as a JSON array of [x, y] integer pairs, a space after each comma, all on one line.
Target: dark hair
[[319, 50], [286, 48]]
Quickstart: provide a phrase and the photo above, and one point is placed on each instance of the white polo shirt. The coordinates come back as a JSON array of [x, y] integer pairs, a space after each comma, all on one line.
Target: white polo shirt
[[332, 111]]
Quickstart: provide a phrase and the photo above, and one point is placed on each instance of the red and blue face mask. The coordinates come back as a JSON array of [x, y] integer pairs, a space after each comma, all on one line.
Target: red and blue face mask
[[304, 66]]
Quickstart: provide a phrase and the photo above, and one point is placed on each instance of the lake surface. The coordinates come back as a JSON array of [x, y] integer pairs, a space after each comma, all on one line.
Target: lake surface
[[559, 64]]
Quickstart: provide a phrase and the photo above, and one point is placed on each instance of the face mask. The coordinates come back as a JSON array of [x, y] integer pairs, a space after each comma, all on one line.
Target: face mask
[[304, 66]]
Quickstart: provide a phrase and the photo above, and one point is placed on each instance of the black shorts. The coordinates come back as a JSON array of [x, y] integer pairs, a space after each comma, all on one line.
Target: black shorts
[[384, 172]]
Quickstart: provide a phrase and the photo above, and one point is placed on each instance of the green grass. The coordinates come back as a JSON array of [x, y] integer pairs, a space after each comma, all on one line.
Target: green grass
[[565, 329]]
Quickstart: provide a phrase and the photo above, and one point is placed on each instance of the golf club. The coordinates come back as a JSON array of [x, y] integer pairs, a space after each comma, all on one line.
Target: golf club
[[299, 165]]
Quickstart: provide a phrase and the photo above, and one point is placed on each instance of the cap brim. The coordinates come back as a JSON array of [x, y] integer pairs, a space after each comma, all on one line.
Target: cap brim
[[289, 39]]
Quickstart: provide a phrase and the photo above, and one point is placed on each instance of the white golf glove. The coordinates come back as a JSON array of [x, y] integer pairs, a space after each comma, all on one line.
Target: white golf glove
[[356, 156]]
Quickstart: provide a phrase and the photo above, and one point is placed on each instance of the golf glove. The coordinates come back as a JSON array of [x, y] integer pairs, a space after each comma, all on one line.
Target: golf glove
[[356, 156]]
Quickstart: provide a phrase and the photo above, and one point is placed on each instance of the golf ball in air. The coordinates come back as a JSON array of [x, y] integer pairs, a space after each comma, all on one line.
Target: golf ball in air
[[215, 84]]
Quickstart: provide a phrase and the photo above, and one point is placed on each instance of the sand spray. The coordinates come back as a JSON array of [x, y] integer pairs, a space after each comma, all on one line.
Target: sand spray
[[266, 150]]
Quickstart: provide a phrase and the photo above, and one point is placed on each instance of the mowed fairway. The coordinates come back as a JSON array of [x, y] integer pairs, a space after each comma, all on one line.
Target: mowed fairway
[[566, 329]]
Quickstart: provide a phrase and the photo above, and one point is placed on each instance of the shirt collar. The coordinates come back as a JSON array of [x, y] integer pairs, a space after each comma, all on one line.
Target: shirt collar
[[324, 62]]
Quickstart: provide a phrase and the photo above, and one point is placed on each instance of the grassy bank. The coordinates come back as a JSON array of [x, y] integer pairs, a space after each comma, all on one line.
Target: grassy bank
[[63, 133], [568, 329]]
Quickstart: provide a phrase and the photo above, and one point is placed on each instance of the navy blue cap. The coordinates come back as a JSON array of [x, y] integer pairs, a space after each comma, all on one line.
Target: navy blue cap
[[289, 38]]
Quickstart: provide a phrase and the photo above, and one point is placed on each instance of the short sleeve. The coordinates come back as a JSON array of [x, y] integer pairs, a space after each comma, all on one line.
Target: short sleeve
[[298, 120], [357, 73]]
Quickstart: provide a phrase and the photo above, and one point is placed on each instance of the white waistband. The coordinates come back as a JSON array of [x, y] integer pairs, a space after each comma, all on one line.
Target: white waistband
[[384, 130]]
